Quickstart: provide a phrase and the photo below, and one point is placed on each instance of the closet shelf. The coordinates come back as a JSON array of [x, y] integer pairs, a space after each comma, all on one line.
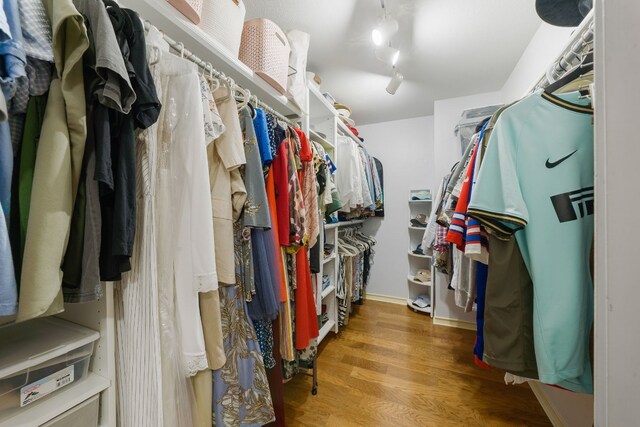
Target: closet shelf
[[418, 256], [50, 407], [343, 224], [413, 307], [411, 227], [420, 201], [347, 132], [175, 25], [319, 108], [414, 281], [315, 136], [329, 258], [326, 328], [325, 293]]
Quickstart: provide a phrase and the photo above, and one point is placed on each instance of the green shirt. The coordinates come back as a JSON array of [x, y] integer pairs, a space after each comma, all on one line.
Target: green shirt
[[536, 181]]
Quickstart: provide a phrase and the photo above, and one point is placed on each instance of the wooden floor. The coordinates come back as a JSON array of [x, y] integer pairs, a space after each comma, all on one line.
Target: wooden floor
[[393, 367]]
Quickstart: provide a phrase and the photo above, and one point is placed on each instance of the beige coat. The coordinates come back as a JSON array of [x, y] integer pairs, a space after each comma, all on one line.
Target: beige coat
[[57, 168]]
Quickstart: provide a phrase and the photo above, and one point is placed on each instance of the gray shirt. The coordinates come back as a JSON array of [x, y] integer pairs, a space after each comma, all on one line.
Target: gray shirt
[[116, 92]]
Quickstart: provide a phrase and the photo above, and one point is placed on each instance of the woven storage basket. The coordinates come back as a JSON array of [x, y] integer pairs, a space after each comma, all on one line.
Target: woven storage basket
[[192, 9], [265, 49], [222, 20]]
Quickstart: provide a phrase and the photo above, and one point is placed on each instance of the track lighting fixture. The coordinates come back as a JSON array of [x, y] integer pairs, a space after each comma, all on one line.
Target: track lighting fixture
[[388, 54], [395, 82], [384, 31]]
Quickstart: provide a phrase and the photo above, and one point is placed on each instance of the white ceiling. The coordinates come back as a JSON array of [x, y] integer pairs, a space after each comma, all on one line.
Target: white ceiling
[[448, 48]]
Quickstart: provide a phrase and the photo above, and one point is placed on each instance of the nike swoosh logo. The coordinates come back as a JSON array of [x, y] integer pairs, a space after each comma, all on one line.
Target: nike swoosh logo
[[551, 165]]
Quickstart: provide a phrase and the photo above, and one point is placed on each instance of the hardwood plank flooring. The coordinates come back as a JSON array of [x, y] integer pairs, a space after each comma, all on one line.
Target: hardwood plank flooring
[[392, 367]]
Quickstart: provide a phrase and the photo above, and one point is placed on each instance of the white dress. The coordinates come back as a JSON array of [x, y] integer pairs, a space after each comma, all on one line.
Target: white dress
[[187, 247]]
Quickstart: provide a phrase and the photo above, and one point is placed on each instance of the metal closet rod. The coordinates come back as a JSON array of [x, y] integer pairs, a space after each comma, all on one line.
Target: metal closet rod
[[207, 66], [581, 40]]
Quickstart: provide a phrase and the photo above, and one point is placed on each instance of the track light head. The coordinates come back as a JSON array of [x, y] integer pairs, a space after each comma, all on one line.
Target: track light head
[[384, 31], [394, 83]]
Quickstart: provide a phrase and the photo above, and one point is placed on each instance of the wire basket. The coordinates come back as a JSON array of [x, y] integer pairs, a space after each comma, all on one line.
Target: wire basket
[[265, 49]]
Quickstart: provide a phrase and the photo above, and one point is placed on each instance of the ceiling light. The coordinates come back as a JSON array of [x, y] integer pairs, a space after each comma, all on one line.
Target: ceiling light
[[384, 31], [388, 54], [395, 83]]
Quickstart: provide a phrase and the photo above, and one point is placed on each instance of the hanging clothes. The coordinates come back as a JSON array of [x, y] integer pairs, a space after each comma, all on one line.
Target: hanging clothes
[[309, 189], [228, 194], [107, 86], [210, 301], [57, 168], [261, 297], [184, 170], [240, 389], [115, 166], [349, 175], [513, 198], [379, 168]]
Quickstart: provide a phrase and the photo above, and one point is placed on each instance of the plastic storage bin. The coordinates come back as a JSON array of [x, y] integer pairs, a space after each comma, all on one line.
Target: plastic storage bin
[[265, 49], [40, 357], [83, 415]]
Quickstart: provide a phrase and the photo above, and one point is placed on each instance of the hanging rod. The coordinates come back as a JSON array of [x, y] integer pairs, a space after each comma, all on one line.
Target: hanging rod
[[264, 106], [581, 40], [207, 66]]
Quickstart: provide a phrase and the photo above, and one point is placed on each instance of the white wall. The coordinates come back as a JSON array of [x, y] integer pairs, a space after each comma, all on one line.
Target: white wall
[[544, 48], [405, 148], [446, 152]]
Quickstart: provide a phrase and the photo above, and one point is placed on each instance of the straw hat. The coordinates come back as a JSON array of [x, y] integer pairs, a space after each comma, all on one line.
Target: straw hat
[[343, 110]]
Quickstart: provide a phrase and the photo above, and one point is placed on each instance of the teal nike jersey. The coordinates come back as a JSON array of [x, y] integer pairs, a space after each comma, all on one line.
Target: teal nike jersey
[[536, 181]]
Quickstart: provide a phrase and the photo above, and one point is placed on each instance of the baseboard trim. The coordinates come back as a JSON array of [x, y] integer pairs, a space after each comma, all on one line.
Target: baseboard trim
[[454, 323], [386, 298], [546, 404]]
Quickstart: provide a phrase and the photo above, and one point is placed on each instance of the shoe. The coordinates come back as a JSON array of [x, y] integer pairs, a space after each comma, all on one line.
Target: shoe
[[420, 220], [423, 276], [418, 250], [423, 301]]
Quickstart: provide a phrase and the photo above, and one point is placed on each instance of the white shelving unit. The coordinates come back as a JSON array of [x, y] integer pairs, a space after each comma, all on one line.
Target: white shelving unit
[[320, 124], [98, 316], [419, 261], [50, 407], [327, 297]]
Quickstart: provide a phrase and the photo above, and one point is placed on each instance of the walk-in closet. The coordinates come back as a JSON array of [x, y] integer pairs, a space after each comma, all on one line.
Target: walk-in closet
[[380, 213]]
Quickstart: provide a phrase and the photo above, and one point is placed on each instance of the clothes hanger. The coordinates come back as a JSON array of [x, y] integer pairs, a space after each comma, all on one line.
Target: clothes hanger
[[154, 55], [242, 97], [209, 77], [228, 83], [585, 66], [212, 78]]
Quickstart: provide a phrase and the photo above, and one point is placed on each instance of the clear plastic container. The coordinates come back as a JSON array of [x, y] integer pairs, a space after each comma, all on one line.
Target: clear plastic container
[[40, 357]]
